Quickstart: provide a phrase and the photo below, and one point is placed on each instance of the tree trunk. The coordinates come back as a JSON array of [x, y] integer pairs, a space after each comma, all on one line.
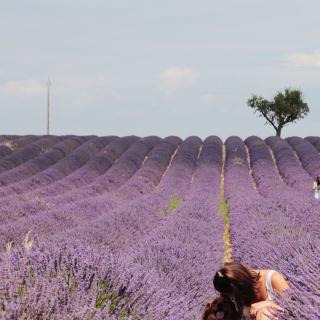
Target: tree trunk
[[278, 131]]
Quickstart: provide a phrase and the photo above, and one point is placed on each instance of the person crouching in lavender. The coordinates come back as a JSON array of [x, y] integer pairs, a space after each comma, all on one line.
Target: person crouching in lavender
[[316, 188], [245, 293]]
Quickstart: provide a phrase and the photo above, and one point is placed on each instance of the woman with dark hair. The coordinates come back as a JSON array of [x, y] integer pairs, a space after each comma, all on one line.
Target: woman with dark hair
[[316, 188], [251, 291]]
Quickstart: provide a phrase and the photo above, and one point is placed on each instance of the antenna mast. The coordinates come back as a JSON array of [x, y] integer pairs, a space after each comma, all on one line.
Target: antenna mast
[[48, 106]]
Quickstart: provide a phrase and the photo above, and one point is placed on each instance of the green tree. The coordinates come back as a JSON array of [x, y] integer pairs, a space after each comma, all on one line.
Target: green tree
[[286, 107]]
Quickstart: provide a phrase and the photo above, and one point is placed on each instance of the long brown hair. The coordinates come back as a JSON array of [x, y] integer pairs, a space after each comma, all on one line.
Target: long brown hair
[[220, 308], [234, 278]]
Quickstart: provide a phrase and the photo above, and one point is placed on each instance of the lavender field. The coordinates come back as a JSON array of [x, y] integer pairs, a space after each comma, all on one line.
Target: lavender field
[[134, 228]]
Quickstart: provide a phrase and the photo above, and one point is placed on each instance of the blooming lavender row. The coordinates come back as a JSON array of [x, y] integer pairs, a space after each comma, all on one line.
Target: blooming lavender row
[[41, 162], [158, 270], [34, 205], [34, 201], [55, 282], [177, 180], [30, 151], [266, 235], [134, 152], [315, 141], [83, 292], [123, 168], [4, 150], [207, 175], [236, 168], [18, 205], [21, 141], [264, 170], [177, 236], [130, 155], [270, 184], [73, 161], [66, 216], [307, 153], [118, 174], [238, 182], [99, 227], [145, 179], [6, 137], [160, 266], [17, 147], [95, 167], [168, 273], [8, 145], [198, 211], [87, 153], [289, 165], [290, 198], [142, 182], [269, 181]]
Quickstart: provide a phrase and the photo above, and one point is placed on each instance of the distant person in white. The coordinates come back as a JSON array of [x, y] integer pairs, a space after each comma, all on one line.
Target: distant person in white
[[316, 188]]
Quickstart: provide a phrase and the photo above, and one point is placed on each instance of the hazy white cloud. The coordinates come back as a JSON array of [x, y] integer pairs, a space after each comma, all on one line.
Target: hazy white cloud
[[175, 78], [304, 59], [24, 87], [35, 87]]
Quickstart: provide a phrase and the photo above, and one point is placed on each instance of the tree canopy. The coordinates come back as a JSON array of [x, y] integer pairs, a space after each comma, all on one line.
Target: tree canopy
[[284, 108]]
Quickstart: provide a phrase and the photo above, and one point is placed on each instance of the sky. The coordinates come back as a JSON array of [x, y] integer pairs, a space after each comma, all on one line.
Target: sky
[[146, 67]]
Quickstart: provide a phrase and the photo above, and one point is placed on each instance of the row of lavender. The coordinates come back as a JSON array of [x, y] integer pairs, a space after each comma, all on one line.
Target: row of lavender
[[71, 173], [13, 234], [94, 252], [59, 170], [275, 220]]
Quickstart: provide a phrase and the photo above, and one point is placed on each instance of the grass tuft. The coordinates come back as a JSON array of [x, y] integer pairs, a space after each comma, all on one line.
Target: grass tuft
[[173, 204], [27, 242]]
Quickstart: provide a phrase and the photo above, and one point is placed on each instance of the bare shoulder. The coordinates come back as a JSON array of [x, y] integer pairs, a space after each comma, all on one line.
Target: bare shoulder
[[278, 282]]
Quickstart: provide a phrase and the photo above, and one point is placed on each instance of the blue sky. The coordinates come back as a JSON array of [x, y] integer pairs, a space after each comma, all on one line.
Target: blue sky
[[155, 67]]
